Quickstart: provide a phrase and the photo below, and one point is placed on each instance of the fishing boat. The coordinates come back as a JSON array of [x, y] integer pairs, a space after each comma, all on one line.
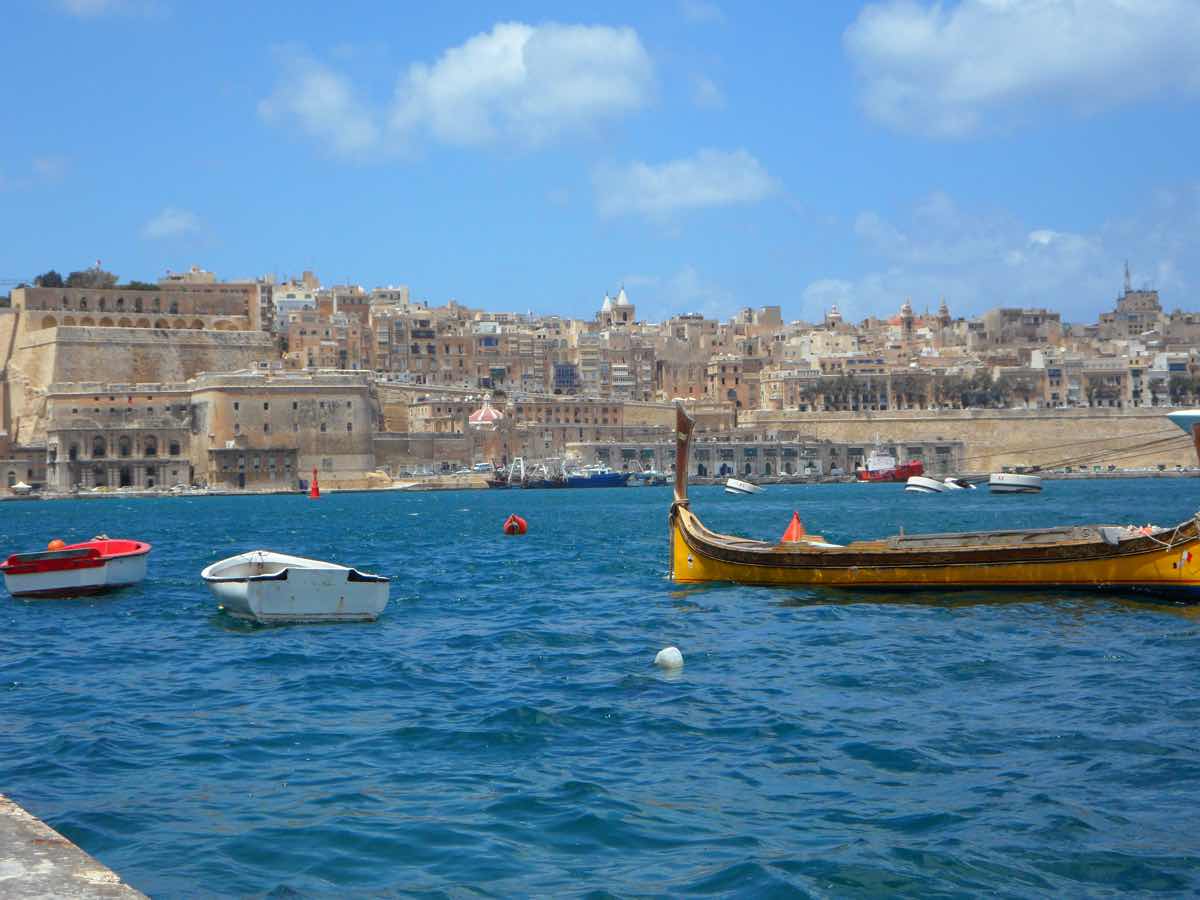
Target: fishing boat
[[736, 486], [598, 475], [268, 587], [1159, 561], [1014, 483], [75, 570], [883, 467]]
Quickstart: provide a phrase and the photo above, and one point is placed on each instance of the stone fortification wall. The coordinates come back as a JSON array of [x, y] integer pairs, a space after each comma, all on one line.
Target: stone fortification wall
[[133, 355], [996, 438], [127, 355]]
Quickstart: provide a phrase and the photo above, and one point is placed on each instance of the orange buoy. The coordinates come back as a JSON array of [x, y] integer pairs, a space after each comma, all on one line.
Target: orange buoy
[[795, 530], [56, 544], [514, 524], [314, 492]]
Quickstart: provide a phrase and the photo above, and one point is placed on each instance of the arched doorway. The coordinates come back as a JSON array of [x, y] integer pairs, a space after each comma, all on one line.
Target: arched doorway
[[241, 479], [702, 470], [125, 476], [747, 469], [767, 469], [99, 476], [726, 469]]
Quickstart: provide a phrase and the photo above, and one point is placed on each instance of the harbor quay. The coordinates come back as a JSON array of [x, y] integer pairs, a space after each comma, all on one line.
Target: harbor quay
[[37, 861]]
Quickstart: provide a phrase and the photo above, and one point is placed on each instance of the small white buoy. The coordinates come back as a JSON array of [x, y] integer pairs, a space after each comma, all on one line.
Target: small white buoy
[[669, 658]]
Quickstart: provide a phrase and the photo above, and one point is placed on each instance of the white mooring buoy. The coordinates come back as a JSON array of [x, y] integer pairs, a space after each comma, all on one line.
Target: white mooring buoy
[[669, 658]]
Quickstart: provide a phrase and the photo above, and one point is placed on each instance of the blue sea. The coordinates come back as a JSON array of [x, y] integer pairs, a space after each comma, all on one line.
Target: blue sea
[[502, 729]]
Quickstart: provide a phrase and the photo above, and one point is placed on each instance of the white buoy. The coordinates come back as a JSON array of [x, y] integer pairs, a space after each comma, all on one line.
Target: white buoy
[[669, 658]]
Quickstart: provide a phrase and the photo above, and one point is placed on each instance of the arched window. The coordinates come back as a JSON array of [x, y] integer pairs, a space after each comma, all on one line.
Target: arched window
[[101, 305], [150, 446], [87, 321], [49, 322], [197, 325], [99, 447], [174, 448], [106, 322], [160, 323], [124, 447], [120, 304], [73, 452], [137, 304], [12, 477]]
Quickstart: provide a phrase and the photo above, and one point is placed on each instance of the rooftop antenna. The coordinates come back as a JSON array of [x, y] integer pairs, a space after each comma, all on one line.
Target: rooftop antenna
[[1128, 280]]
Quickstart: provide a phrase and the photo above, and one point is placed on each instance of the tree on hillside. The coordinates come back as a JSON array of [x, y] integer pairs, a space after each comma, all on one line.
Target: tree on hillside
[[94, 277], [48, 279]]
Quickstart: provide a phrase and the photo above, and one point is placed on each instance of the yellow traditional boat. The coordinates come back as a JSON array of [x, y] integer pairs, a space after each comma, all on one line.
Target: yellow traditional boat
[[1113, 558]]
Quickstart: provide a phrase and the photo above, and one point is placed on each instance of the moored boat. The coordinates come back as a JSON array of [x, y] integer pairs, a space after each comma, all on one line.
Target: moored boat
[[1159, 561], [920, 484], [75, 570], [737, 486], [596, 476], [883, 467], [269, 587], [1014, 483], [958, 484]]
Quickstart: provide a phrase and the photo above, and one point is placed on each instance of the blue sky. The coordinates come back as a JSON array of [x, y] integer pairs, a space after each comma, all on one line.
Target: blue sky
[[704, 154]]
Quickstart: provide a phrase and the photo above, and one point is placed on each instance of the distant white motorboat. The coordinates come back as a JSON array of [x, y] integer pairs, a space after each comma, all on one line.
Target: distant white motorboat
[[736, 486], [1013, 483], [272, 587], [959, 484], [921, 484]]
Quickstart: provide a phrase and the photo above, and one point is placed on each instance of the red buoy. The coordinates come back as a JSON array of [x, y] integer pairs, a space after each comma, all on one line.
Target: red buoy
[[514, 524], [314, 492], [795, 530]]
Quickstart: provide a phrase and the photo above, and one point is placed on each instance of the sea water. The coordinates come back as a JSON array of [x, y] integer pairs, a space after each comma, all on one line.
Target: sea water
[[502, 728]]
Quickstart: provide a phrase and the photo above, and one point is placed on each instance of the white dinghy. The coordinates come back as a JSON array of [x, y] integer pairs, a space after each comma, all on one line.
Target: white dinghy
[[737, 486], [958, 484], [1014, 483], [272, 587], [920, 484]]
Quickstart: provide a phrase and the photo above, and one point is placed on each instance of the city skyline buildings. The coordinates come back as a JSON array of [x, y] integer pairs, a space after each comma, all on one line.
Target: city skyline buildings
[[706, 157]]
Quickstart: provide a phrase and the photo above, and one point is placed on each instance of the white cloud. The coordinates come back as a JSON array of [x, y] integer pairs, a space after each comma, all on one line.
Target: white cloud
[[171, 223], [711, 178], [706, 94], [979, 259], [953, 70], [517, 84], [701, 11], [323, 105], [529, 84]]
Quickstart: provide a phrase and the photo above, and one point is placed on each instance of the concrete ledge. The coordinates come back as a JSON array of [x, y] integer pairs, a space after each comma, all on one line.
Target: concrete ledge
[[37, 861]]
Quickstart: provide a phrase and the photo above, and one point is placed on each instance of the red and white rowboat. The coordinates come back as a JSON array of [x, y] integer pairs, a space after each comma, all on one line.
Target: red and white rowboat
[[76, 569]]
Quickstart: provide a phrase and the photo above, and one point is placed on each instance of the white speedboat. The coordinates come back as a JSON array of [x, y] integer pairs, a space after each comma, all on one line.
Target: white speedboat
[[736, 486], [74, 570], [1014, 483], [959, 484], [920, 484], [272, 587]]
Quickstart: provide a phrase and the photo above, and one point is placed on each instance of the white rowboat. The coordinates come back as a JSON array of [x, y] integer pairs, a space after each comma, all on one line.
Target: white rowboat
[[735, 486], [272, 587]]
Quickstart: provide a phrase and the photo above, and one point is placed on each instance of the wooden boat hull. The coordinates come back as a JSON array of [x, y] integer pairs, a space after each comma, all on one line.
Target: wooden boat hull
[[1163, 561], [1138, 564]]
